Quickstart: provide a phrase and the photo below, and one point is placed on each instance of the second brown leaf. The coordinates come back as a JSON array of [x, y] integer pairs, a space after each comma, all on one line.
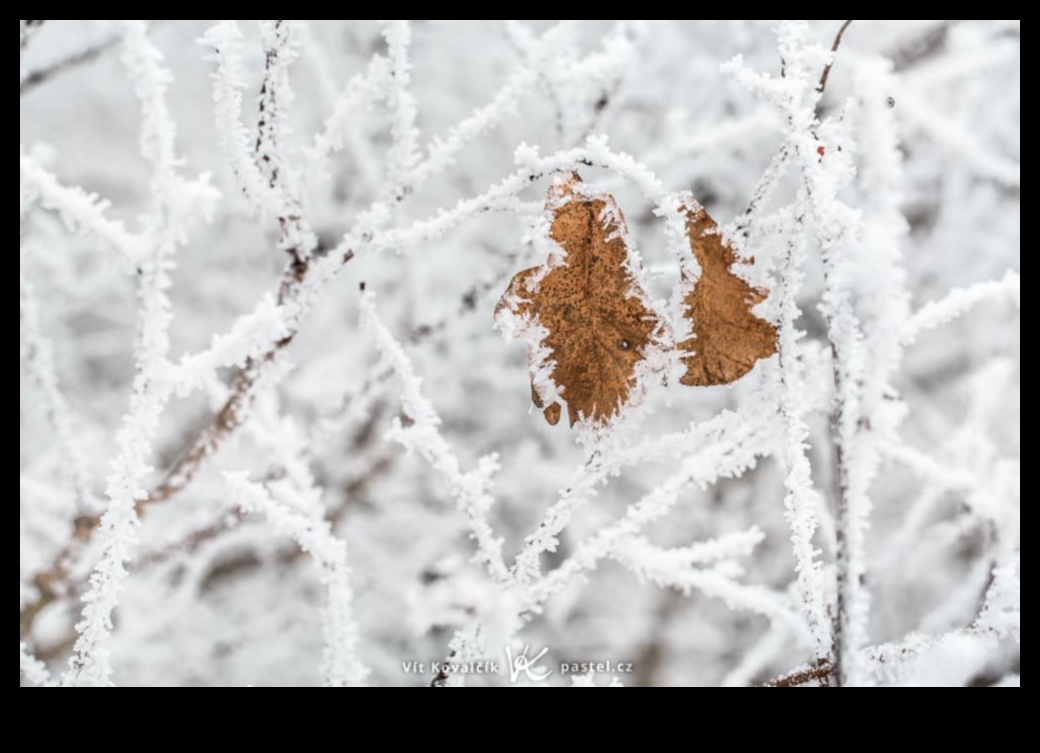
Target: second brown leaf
[[728, 338]]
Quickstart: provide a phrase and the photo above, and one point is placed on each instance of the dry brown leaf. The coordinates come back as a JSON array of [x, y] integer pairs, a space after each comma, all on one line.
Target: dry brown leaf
[[727, 337], [595, 315]]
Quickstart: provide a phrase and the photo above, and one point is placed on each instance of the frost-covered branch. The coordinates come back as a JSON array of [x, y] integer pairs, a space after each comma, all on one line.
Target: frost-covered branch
[[38, 359], [175, 200], [32, 669], [39, 76], [80, 211], [958, 302], [834, 227], [225, 40], [361, 92], [676, 568], [404, 151], [422, 435], [601, 466], [729, 457], [342, 666]]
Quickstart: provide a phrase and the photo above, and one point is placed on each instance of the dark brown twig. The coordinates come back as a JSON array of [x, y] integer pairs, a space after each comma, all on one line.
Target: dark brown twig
[[211, 437], [822, 672], [924, 47], [820, 87], [440, 680], [45, 74]]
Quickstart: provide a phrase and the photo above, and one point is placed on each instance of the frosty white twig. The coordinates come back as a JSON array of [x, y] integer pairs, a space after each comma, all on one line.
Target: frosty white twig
[[361, 92], [834, 226], [89, 665], [342, 666], [958, 302], [38, 355], [32, 669], [710, 568], [602, 466], [80, 210], [469, 489], [732, 454], [225, 39], [404, 150]]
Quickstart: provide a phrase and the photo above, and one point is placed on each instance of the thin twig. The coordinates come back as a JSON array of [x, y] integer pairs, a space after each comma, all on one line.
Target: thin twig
[[843, 512], [28, 28], [213, 435], [772, 173], [765, 186], [820, 87], [838, 667], [440, 680], [929, 44], [45, 74], [822, 672]]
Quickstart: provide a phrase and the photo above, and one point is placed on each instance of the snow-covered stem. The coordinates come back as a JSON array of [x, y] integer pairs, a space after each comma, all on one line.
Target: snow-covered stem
[[275, 99], [225, 41], [256, 342], [677, 568], [442, 152], [961, 144], [601, 466], [276, 96], [730, 456], [80, 211], [834, 228], [423, 435], [175, 199], [32, 669], [362, 91], [802, 502], [343, 668], [38, 359], [834, 223], [959, 302], [404, 149], [502, 196]]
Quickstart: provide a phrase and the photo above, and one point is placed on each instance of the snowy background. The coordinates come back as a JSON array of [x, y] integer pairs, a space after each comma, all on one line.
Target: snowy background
[[208, 498]]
